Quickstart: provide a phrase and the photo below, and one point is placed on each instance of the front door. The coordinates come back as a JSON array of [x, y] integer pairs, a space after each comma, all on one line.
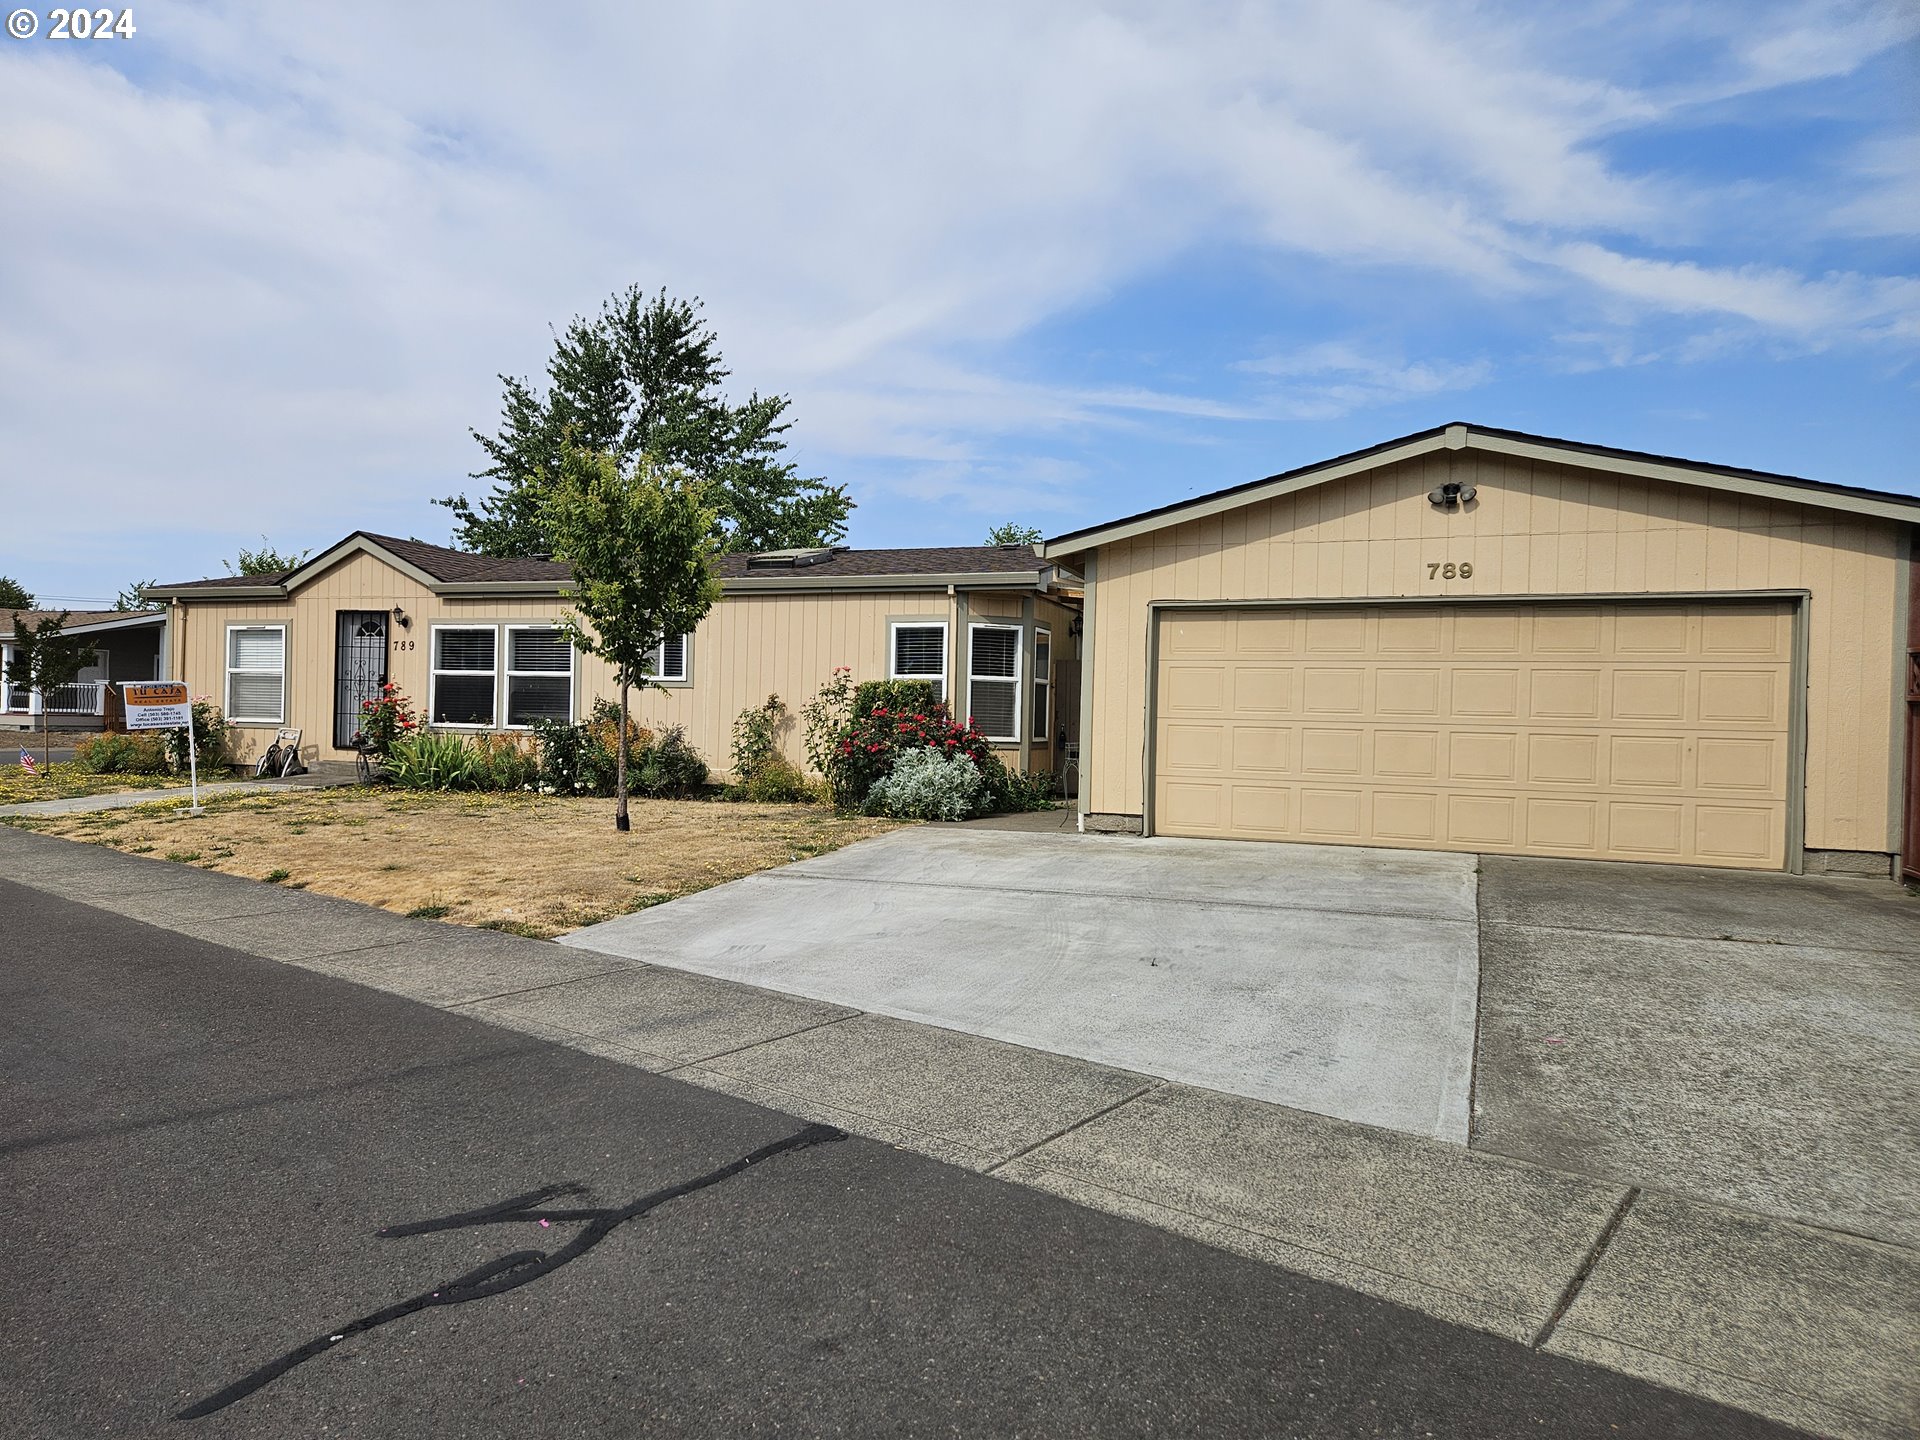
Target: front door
[[359, 669]]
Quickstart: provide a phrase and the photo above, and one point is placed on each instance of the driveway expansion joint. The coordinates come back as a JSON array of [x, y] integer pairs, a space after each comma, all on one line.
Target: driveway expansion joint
[[1580, 1276], [1087, 1119], [1143, 897]]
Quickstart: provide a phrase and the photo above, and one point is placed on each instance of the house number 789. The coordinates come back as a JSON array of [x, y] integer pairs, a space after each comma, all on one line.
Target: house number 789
[[1449, 570]]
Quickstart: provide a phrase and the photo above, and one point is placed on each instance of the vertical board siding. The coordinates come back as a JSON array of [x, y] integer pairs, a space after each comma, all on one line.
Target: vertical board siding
[[750, 646], [1534, 529]]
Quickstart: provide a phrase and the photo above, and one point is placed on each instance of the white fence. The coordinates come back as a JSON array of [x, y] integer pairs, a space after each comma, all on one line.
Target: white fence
[[82, 697]]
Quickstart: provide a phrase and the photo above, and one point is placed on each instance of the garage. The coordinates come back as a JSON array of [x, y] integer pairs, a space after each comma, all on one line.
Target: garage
[[1483, 640], [1651, 731]]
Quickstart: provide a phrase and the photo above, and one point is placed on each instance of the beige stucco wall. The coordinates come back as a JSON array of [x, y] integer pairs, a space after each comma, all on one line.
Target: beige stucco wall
[[748, 647], [1534, 529]]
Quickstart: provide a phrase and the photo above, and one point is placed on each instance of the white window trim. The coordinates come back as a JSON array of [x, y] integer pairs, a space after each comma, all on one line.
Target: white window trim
[[226, 660], [434, 672], [660, 659], [893, 655], [1016, 679], [509, 674], [1043, 702]]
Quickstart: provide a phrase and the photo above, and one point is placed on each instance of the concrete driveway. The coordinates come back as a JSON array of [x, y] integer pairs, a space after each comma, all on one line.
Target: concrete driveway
[[1753, 1040], [1336, 980]]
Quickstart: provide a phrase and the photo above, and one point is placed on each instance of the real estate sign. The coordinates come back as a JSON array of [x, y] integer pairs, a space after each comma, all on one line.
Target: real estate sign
[[159, 705]]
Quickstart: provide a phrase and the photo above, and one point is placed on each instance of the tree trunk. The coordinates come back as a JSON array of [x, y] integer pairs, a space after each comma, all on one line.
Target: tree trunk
[[620, 821]]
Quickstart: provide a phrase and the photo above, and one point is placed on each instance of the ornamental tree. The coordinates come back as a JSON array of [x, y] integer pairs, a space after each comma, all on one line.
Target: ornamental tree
[[44, 660], [641, 542]]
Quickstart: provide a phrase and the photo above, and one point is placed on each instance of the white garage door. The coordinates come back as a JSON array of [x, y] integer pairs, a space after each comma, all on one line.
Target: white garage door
[[1619, 732]]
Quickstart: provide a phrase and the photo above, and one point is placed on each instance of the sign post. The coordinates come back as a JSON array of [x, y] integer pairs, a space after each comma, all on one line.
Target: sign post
[[165, 705]]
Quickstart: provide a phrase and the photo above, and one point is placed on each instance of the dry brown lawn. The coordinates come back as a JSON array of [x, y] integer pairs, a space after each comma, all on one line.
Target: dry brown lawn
[[532, 864], [63, 779]]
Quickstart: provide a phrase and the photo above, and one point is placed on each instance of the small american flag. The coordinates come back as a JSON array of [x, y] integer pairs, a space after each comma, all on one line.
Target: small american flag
[[26, 763]]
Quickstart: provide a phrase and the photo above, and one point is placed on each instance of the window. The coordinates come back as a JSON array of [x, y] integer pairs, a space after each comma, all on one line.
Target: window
[[463, 685], [256, 674], [539, 675], [993, 680], [1042, 683], [669, 660], [920, 653]]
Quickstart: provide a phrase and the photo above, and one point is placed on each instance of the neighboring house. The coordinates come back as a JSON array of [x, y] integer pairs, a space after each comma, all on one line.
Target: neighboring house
[[128, 646], [471, 639], [1476, 639]]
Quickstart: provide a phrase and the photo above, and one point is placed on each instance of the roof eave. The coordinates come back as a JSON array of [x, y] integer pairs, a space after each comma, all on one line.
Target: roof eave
[[1459, 436], [974, 580], [186, 593]]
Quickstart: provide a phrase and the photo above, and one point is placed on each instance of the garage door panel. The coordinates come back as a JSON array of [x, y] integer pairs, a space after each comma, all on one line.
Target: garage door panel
[[1193, 809], [1407, 815], [1568, 632], [1482, 822], [1622, 731], [1475, 755], [1331, 814], [1565, 694], [1195, 689], [1400, 690], [1733, 832], [1556, 760], [1740, 697], [1659, 695], [1262, 809], [1326, 690], [1486, 693], [1730, 764], [1331, 752], [1563, 826], [1262, 689], [1196, 748], [1647, 762]]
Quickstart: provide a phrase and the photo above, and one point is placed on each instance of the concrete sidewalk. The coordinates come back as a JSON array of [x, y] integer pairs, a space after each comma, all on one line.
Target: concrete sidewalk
[[325, 776], [1813, 1327]]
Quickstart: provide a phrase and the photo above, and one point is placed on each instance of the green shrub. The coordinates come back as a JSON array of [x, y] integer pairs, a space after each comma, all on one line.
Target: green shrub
[[428, 761], [776, 782], [387, 719], [1009, 791], [928, 785], [669, 766], [210, 733], [136, 754], [824, 717], [896, 697], [572, 759], [756, 738], [878, 734]]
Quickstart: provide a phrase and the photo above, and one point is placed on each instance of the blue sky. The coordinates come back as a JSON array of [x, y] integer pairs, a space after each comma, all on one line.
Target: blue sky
[[1052, 264]]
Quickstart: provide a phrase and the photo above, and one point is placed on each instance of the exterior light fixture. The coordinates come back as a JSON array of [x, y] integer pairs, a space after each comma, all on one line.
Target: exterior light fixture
[[1450, 496], [401, 617]]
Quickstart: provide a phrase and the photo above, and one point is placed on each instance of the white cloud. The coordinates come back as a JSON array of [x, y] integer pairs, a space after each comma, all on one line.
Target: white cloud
[[274, 265]]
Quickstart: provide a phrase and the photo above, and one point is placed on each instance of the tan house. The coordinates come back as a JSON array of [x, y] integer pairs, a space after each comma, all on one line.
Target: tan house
[[1476, 639], [471, 640]]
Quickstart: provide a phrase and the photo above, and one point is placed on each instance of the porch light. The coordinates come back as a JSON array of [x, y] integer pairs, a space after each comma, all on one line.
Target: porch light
[[400, 618]]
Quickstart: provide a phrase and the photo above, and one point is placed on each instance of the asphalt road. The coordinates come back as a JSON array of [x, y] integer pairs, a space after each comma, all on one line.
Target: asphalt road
[[199, 1148]]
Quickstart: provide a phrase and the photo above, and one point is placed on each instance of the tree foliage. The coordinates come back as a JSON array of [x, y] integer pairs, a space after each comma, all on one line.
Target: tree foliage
[[131, 598], [1014, 534], [14, 595], [643, 378], [641, 541], [264, 561], [44, 659]]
